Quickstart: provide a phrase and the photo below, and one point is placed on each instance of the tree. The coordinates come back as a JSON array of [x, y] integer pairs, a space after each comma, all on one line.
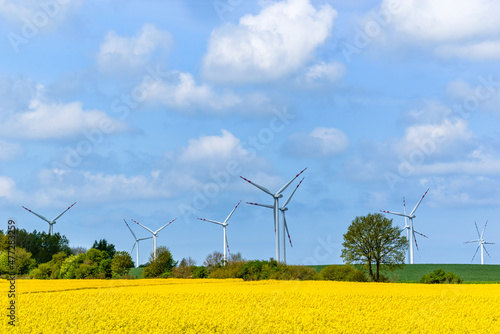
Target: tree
[[185, 268], [372, 240], [103, 245], [42, 245], [78, 250], [161, 266], [121, 263], [214, 260]]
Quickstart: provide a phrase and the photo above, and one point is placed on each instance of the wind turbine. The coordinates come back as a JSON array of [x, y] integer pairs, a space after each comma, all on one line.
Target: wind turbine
[[276, 196], [410, 226], [136, 242], [481, 243], [53, 221], [155, 233], [224, 224], [283, 209]]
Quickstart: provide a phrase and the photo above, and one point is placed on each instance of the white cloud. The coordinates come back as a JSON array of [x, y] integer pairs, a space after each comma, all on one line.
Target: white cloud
[[205, 148], [453, 28], [322, 73], [471, 99], [321, 142], [180, 91], [55, 120], [487, 50], [267, 46], [7, 187], [119, 53]]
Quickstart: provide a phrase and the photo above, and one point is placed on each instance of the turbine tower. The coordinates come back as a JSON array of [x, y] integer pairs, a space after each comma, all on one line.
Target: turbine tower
[[136, 242], [410, 226], [224, 224], [276, 196], [155, 233], [283, 209], [481, 243], [53, 221]]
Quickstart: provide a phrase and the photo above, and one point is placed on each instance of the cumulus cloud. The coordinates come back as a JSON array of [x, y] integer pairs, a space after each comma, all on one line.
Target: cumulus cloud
[[322, 73], [453, 28], [485, 95], [223, 147], [55, 120], [321, 142], [274, 43], [179, 90], [210, 159], [7, 187], [119, 52]]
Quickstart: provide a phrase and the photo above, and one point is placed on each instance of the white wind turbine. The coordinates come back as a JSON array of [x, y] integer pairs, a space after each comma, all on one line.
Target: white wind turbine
[[155, 233], [53, 221], [135, 243], [481, 243], [224, 224], [282, 209], [410, 226], [276, 196]]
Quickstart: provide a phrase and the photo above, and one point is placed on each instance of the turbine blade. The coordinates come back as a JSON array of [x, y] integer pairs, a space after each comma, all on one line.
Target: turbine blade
[[394, 213], [264, 205], [225, 221], [421, 234], [416, 206], [211, 221], [130, 230], [289, 198], [286, 228], [133, 248], [404, 211], [475, 253], [286, 185], [484, 228], [227, 245], [161, 228], [414, 238], [143, 226], [63, 212], [260, 187], [144, 239], [486, 251], [479, 235], [36, 214], [468, 242]]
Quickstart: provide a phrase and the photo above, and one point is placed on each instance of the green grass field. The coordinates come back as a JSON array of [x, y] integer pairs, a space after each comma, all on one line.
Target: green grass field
[[470, 273]]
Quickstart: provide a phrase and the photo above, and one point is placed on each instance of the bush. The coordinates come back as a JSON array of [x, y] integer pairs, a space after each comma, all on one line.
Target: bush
[[42, 272], [440, 276], [200, 272], [301, 273], [230, 270], [162, 265], [342, 273]]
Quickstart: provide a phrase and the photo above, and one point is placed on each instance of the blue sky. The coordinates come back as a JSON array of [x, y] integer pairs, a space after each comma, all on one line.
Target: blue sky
[[151, 110]]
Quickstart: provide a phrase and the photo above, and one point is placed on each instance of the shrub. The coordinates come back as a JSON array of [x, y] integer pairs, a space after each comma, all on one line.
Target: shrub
[[230, 270], [162, 265], [200, 272], [342, 273], [440, 276]]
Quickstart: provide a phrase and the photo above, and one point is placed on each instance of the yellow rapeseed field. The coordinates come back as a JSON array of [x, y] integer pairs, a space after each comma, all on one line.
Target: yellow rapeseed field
[[234, 306]]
